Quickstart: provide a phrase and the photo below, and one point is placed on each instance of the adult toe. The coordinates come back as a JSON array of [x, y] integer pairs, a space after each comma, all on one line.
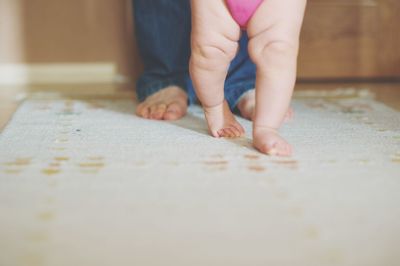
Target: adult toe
[[143, 110], [153, 111], [159, 111], [174, 111]]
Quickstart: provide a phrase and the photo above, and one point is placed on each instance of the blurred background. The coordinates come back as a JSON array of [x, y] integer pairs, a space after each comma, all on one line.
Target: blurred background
[[74, 41], [92, 41]]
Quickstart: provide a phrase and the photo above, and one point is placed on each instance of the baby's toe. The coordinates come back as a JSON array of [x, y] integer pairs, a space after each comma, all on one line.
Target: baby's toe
[[269, 148], [285, 149], [239, 129], [289, 150], [234, 131], [217, 133], [272, 151], [228, 133]]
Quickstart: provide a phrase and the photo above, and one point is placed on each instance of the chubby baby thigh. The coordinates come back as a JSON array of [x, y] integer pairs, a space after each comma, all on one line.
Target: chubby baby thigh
[[279, 17], [212, 17]]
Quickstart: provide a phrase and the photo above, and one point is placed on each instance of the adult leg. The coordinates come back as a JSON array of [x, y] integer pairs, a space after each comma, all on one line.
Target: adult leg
[[163, 35]]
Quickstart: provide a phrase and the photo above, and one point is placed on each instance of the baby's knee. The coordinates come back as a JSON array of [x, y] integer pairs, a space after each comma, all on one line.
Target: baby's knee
[[264, 50], [212, 54]]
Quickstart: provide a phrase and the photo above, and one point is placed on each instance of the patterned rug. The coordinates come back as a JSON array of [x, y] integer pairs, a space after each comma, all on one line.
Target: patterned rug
[[86, 182]]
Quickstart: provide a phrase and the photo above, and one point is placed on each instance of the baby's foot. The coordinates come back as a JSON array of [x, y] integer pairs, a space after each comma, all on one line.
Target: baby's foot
[[167, 104], [221, 122], [247, 106], [268, 141]]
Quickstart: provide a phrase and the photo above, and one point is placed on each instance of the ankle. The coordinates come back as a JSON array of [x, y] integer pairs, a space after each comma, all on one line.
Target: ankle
[[264, 128], [215, 107]]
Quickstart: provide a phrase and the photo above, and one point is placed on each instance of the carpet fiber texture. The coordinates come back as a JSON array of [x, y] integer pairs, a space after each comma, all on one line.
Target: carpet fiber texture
[[86, 182]]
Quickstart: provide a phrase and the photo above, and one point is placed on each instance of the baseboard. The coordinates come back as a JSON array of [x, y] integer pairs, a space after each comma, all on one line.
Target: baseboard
[[65, 73]]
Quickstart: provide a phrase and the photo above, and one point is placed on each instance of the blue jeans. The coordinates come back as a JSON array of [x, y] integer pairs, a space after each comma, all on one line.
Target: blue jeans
[[163, 34]]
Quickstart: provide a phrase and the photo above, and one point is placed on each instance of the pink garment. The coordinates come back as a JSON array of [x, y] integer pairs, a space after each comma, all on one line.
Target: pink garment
[[243, 10]]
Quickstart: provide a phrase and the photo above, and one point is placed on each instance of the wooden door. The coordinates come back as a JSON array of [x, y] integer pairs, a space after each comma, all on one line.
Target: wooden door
[[345, 39]]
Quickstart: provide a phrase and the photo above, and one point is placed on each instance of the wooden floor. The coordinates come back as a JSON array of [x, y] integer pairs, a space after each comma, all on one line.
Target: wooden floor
[[10, 97]]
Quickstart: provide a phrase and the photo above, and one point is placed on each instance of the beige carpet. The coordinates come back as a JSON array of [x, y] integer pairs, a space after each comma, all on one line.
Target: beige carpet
[[89, 183]]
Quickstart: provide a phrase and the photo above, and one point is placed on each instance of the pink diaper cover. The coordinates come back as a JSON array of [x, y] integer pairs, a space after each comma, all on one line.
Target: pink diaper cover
[[243, 10]]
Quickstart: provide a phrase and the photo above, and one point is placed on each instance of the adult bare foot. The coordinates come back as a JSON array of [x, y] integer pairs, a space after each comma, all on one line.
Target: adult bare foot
[[247, 106], [221, 122], [167, 104]]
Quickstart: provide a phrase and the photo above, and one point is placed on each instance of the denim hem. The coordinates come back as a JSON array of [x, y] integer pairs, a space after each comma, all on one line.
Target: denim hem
[[143, 92], [233, 94]]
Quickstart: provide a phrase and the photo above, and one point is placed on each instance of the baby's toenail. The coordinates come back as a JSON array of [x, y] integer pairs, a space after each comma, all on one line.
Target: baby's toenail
[[273, 152]]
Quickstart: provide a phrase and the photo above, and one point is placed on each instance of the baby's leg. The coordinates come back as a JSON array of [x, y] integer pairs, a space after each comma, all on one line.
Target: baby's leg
[[215, 37], [274, 39]]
